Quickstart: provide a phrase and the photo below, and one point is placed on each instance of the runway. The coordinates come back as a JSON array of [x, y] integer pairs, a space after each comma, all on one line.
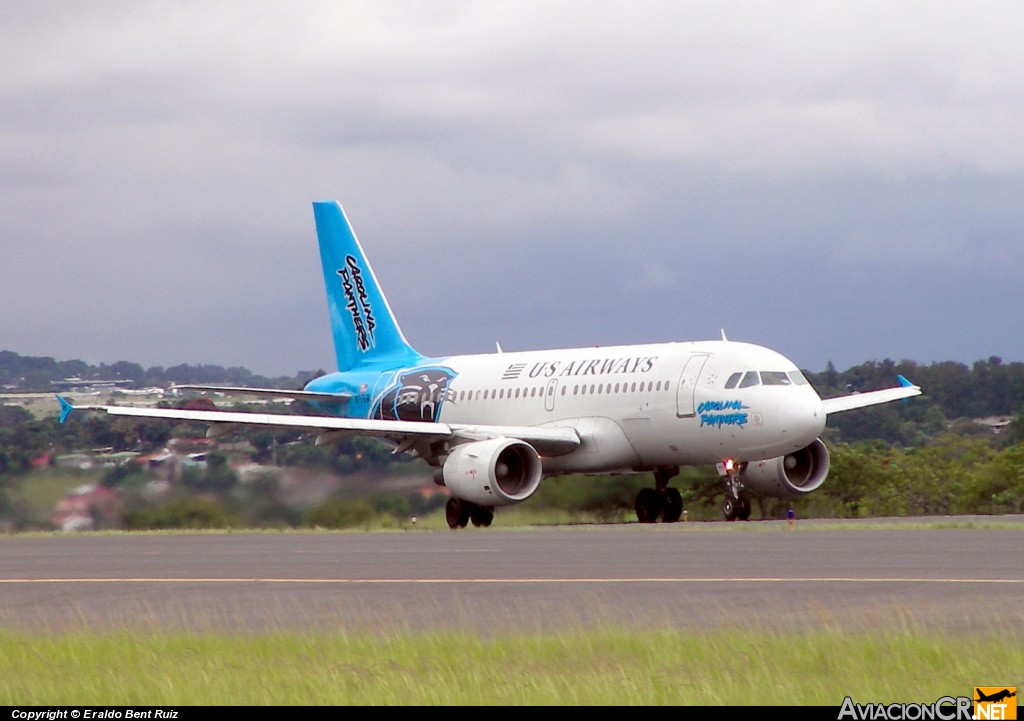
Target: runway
[[683, 576]]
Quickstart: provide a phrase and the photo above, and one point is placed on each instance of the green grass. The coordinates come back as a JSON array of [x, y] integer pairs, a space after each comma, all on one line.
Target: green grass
[[602, 667]]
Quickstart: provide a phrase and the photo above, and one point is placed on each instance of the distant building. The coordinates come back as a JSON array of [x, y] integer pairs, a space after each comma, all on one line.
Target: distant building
[[86, 507]]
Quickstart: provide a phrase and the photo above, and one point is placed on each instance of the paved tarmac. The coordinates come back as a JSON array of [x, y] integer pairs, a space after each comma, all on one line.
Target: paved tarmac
[[684, 576]]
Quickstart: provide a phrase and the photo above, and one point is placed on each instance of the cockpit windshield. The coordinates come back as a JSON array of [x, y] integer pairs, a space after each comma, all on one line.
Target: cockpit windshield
[[768, 378]]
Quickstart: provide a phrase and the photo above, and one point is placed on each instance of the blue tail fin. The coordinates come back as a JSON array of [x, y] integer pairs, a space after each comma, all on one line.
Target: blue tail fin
[[365, 330]]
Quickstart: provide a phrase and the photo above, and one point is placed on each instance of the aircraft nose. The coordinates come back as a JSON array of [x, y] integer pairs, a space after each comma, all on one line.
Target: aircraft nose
[[802, 415]]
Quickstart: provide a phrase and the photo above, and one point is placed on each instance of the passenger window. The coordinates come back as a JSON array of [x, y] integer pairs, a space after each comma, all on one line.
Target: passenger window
[[750, 379], [733, 380]]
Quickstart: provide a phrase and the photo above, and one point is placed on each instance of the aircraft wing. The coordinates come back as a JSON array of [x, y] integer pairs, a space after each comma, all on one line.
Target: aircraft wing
[[267, 392], [546, 439], [905, 389]]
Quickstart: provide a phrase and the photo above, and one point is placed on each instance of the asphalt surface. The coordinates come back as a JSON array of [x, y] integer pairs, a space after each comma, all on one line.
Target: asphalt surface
[[684, 576]]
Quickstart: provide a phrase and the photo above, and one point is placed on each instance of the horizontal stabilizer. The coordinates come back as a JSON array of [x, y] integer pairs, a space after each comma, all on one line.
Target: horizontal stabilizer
[[267, 392]]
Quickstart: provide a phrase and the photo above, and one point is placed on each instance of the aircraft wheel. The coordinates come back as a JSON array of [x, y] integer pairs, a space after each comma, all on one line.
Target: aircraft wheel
[[729, 508], [456, 512], [743, 508], [481, 517], [647, 505], [672, 505]]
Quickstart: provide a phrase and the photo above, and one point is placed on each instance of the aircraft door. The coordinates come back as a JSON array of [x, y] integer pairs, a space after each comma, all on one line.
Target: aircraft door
[[688, 384], [549, 394]]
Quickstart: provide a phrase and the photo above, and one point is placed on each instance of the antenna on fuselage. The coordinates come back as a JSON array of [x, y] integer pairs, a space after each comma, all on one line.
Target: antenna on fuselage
[[723, 335], [498, 346]]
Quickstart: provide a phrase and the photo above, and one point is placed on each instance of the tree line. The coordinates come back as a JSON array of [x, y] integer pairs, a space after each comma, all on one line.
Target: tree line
[[927, 455], [38, 374]]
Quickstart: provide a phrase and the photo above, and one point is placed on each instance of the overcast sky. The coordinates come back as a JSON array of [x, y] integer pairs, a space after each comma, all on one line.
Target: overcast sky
[[839, 181]]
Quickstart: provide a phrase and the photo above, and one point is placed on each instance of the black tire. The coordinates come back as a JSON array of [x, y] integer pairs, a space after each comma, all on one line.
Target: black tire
[[729, 508], [671, 505], [481, 517], [456, 513], [743, 509], [647, 505]]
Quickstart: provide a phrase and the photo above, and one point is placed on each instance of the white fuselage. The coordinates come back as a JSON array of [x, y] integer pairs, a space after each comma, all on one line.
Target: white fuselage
[[640, 407]]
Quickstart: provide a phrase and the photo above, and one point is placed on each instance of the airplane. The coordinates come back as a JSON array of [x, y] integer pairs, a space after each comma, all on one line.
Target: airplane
[[494, 425], [995, 697]]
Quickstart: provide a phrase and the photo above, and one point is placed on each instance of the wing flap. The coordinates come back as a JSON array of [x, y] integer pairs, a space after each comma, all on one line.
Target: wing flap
[[546, 439]]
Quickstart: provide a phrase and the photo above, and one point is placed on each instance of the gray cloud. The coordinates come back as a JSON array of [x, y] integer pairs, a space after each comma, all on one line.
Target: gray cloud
[[837, 181]]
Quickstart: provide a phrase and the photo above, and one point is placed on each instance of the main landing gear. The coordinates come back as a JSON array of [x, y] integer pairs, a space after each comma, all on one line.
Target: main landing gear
[[459, 513], [736, 506], [660, 501]]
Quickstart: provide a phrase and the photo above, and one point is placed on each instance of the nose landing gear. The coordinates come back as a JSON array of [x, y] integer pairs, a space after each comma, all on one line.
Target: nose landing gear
[[736, 509], [736, 506]]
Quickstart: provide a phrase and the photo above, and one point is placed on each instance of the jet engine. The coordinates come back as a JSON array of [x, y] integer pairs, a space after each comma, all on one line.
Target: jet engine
[[495, 472], [789, 476]]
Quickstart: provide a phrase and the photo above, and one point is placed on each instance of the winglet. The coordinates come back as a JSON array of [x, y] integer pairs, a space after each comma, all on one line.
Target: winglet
[[905, 383], [65, 408]]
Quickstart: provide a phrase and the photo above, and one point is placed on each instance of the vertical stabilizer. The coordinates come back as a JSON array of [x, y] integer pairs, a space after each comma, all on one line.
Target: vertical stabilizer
[[365, 330]]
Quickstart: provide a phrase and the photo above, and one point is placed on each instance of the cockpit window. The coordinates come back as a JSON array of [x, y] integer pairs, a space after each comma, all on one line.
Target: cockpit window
[[798, 378], [775, 378], [750, 379], [733, 380]]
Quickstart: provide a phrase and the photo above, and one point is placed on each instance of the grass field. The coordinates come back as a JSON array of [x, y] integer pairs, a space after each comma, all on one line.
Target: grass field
[[601, 667]]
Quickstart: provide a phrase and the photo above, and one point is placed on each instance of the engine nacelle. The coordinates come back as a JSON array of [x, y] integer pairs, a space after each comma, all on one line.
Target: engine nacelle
[[789, 476], [496, 472]]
